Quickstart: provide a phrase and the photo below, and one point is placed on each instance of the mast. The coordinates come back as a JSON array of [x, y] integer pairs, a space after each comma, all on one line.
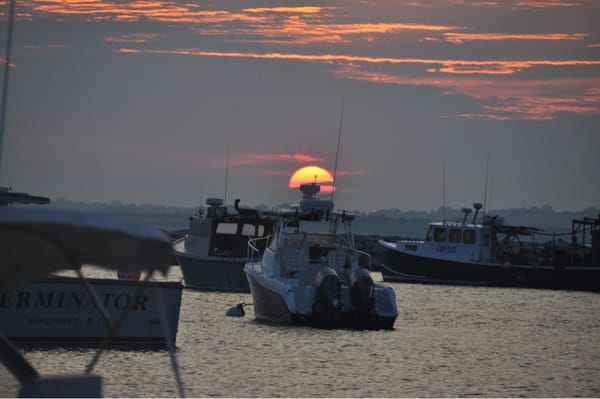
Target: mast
[[337, 152], [487, 165], [226, 174], [11, 17], [444, 192]]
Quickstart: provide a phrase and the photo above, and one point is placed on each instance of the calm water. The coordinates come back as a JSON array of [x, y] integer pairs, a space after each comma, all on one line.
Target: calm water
[[447, 342]]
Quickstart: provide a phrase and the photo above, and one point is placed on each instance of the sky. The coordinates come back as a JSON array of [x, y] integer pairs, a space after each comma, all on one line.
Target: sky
[[432, 102]]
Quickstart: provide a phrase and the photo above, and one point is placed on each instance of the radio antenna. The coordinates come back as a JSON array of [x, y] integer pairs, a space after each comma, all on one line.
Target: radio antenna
[[337, 152], [226, 174], [487, 165], [444, 192]]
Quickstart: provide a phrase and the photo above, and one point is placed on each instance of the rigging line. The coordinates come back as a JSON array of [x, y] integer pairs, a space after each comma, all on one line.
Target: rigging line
[[169, 341], [114, 328], [337, 152], [11, 17]]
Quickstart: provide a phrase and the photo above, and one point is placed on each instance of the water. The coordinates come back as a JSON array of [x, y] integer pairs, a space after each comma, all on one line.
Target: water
[[447, 342]]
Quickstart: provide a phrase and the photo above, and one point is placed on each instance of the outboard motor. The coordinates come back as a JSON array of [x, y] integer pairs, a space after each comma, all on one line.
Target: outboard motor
[[328, 298], [362, 291]]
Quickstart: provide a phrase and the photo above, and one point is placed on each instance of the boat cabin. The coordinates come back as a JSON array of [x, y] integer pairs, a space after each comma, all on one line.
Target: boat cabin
[[457, 241], [220, 233], [490, 241]]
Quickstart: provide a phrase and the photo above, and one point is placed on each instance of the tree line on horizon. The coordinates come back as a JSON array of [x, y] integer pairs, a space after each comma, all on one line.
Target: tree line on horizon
[[392, 221]]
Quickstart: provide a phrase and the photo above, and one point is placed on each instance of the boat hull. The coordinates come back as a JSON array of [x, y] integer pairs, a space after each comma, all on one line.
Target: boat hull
[[398, 266], [212, 273], [275, 303], [59, 310]]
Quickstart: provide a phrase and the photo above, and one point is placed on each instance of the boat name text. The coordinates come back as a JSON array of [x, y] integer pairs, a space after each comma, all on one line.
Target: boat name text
[[62, 299]]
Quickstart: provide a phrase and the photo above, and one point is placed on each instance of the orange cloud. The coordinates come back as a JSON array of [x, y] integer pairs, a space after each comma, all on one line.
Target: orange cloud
[[544, 4], [132, 38], [286, 10], [467, 37], [162, 11], [251, 159], [534, 99], [524, 4], [290, 25], [494, 67]]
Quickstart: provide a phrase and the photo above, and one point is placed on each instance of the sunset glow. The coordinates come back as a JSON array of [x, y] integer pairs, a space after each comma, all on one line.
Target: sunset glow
[[312, 174], [177, 95]]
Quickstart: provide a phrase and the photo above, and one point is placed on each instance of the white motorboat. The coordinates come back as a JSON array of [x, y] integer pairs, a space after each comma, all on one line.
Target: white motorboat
[[35, 242], [311, 274], [213, 253], [59, 310], [62, 309]]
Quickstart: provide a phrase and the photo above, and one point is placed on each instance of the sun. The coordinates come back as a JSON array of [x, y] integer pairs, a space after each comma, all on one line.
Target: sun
[[312, 174]]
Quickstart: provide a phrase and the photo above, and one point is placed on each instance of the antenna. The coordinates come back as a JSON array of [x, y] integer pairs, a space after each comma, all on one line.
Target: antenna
[[11, 17], [444, 192], [487, 165], [226, 174], [491, 189], [337, 152]]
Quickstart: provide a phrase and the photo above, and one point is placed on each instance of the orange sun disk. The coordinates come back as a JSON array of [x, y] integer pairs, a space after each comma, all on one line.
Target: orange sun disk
[[312, 174]]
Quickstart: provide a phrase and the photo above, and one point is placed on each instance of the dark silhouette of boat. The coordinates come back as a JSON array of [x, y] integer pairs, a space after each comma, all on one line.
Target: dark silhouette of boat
[[492, 253]]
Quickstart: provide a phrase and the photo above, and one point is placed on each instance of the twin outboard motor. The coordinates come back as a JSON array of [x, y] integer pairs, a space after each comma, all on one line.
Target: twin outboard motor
[[328, 297], [362, 291]]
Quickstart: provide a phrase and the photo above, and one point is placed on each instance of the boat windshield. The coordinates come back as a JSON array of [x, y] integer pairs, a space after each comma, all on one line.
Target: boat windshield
[[429, 235]]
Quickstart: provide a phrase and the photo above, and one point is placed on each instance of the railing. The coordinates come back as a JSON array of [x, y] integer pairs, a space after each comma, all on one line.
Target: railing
[[254, 253]]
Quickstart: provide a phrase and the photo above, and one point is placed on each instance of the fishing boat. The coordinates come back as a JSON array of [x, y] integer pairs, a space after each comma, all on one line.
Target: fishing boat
[[311, 274], [213, 253], [492, 253]]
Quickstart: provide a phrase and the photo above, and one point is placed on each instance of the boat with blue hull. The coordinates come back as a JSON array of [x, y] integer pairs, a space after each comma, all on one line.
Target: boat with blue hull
[[213, 253], [492, 253], [312, 274]]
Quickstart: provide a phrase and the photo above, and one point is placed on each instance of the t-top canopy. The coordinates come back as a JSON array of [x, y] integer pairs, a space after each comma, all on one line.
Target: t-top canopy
[[37, 241]]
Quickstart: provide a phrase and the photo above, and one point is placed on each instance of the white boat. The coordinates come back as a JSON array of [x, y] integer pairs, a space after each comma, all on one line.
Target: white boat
[[62, 309], [311, 274], [36, 241], [213, 253]]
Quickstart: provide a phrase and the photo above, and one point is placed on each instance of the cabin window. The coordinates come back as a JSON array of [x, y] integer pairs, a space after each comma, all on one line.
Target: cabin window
[[227, 228], [454, 235], [439, 234], [486, 239], [429, 235], [248, 230], [469, 237]]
